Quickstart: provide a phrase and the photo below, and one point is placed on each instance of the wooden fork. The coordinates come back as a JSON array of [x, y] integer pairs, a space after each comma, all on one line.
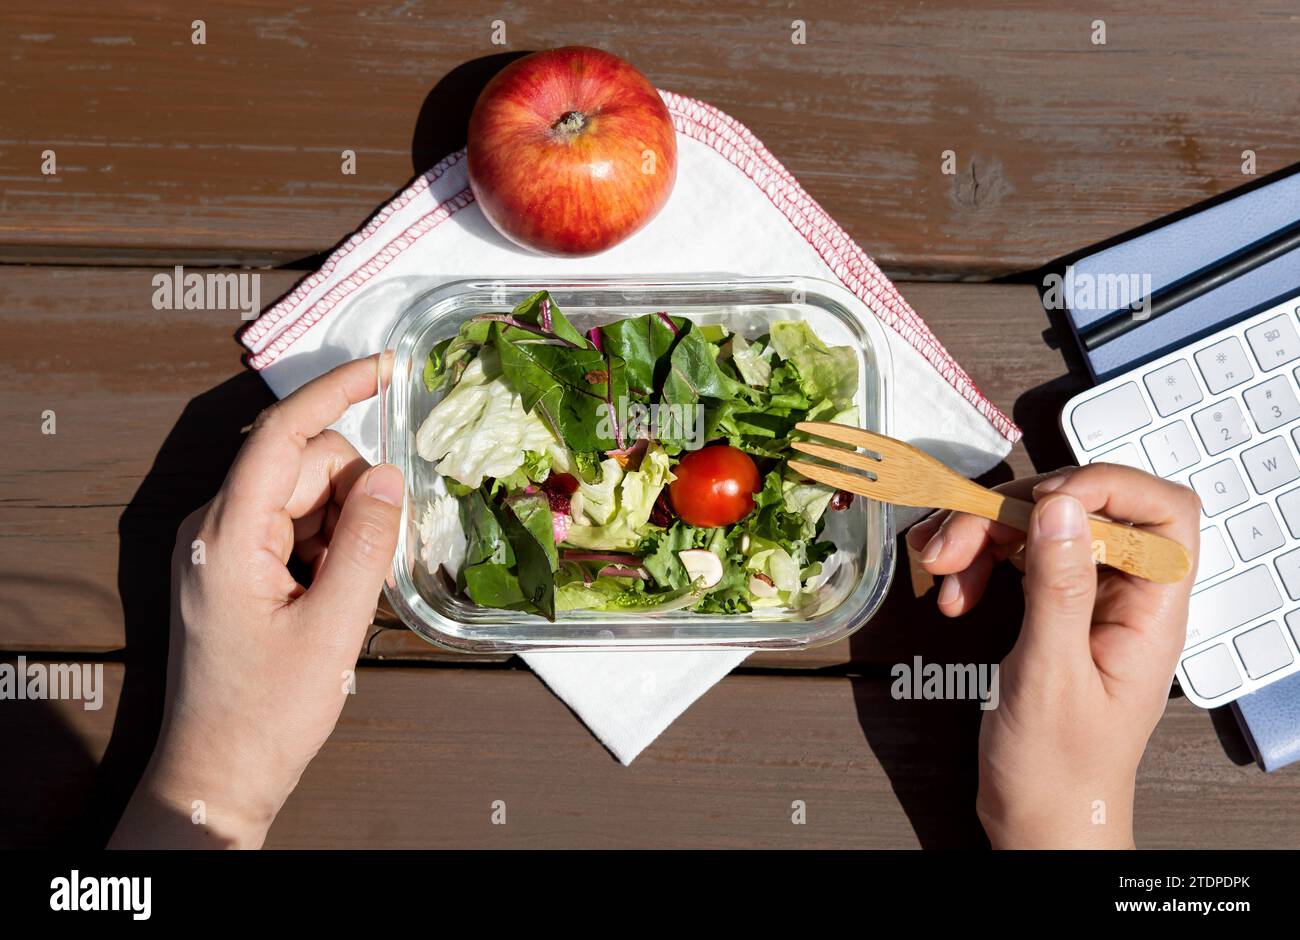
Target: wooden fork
[[901, 474]]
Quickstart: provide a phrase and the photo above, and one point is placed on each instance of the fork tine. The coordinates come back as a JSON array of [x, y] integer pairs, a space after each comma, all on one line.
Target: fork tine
[[839, 479], [848, 458], [857, 437], [846, 434], [886, 447]]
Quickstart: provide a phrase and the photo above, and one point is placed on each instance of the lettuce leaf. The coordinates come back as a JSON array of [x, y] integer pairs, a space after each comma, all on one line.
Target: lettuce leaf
[[751, 361], [808, 501], [585, 466], [569, 388], [621, 515], [617, 594], [778, 565], [824, 372], [660, 558], [480, 428], [576, 595], [595, 503], [535, 468]]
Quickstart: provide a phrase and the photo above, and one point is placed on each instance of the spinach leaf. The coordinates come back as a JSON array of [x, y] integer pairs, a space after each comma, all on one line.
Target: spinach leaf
[[485, 542], [694, 373], [526, 523], [448, 359], [533, 512], [537, 315], [573, 388], [540, 311], [492, 585], [435, 367], [643, 343]]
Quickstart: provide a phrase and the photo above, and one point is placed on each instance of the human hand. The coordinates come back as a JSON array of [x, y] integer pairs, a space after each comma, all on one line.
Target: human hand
[[258, 666], [1089, 676]]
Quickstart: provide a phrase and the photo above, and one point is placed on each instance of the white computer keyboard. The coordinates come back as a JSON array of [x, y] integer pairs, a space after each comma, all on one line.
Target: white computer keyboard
[[1223, 417]]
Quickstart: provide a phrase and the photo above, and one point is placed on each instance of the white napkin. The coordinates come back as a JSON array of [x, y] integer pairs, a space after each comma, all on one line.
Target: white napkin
[[734, 210]]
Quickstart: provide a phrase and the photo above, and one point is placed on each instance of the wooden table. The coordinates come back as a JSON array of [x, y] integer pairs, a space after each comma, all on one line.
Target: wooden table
[[228, 154]]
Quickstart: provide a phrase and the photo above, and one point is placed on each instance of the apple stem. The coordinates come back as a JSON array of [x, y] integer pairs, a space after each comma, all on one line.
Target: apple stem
[[570, 124]]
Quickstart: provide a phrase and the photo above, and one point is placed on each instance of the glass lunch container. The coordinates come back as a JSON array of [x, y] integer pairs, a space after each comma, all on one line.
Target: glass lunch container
[[861, 567]]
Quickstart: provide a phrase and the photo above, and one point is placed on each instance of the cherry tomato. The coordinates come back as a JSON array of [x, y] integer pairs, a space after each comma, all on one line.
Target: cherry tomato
[[715, 486]]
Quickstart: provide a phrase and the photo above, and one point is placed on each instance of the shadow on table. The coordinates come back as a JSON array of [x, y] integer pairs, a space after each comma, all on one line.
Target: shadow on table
[[441, 125], [187, 471], [443, 121], [52, 770], [928, 748]]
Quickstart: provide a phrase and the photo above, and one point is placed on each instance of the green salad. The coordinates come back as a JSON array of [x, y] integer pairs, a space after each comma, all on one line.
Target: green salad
[[639, 466]]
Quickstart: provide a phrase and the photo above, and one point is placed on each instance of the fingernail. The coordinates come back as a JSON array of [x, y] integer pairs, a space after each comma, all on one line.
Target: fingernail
[[384, 482], [1051, 484], [920, 530], [932, 548], [949, 591], [1062, 519]]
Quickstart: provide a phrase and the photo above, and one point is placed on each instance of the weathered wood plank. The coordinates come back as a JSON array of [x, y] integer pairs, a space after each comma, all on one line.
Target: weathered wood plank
[[149, 406], [420, 754], [230, 151]]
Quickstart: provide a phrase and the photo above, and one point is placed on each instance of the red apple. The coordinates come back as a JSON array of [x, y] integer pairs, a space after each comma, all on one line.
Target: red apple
[[571, 151]]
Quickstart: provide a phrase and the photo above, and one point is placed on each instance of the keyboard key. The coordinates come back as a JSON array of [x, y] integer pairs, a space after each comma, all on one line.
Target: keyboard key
[[1224, 365], [1212, 673], [1126, 455], [1171, 449], [1288, 566], [1173, 387], [1215, 557], [1221, 426], [1272, 403], [1110, 416], [1255, 532], [1270, 464], [1289, 503], [1262, 649], [1274, 342], [1293, 624], [1231, 603], [1220, 487]]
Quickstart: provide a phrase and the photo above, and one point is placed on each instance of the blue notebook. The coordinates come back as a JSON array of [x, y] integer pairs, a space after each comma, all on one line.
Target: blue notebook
[[1270, 718], [1171, 252]]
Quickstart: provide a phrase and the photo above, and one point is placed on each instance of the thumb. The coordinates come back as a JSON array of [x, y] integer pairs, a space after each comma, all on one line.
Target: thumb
[[345, 591], [1060, 584]]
